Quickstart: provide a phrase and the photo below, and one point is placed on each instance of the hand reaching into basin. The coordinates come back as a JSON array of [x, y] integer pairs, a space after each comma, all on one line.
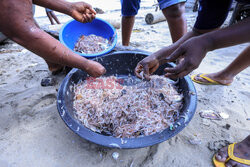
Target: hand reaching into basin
[[192, 51], [148, 66], [151, 63], [193, 46]]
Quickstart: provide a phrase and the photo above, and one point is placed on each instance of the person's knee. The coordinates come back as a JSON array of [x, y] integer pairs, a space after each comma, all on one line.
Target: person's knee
[[174, 11]]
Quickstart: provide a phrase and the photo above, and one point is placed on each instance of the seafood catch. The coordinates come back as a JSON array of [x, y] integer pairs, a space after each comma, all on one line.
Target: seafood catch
[[127, 110], [91, 44]]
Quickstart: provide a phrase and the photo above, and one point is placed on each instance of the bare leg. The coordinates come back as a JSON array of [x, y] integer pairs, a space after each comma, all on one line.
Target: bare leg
[[176, 20], [55, 18], [50, 18], [127, 26], [227, 75], [54, 68]]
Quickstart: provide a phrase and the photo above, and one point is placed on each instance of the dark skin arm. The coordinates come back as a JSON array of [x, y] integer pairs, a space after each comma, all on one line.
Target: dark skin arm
[[194, 50], [21, 28], [151, 63], [193, 47], [80, 11]]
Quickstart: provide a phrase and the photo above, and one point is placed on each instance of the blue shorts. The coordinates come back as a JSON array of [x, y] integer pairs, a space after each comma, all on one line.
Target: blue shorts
[[131, 7], [213, 13]]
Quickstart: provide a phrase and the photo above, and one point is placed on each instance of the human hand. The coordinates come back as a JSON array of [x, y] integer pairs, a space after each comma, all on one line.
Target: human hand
[[82, 12], [148, 65], [95, 69], [192, 51]]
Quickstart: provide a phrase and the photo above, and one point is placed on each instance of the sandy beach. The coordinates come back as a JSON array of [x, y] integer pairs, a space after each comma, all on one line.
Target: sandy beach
[[32, 133]]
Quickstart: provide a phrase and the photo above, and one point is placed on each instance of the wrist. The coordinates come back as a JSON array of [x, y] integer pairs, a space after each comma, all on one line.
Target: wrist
[[162, 54], [209, 42], [69, 8]]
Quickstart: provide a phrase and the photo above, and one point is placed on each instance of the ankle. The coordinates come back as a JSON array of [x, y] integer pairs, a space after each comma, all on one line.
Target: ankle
[[224, 76], [247, 140]]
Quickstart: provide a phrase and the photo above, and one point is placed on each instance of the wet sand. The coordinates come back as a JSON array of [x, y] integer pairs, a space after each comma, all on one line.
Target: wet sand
[[33, 134]]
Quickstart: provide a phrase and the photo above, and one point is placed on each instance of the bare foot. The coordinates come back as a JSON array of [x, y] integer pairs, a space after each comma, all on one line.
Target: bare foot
[[55, 68], [241, 150], [216, 77]]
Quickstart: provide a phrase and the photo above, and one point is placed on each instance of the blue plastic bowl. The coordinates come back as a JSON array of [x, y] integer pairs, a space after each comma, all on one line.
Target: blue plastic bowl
[[73, 29]]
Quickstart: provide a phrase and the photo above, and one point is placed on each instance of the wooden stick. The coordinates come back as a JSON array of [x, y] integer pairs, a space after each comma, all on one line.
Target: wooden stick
[[154, 17]]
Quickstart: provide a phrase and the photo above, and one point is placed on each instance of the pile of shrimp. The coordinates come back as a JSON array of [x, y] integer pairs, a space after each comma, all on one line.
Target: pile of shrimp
[[91, 44], [131, 111]]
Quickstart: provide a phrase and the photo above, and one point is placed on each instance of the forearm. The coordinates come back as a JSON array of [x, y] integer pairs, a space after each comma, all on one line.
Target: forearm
[[50, 49], [57, 5], [233, 35], [162, 54]]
